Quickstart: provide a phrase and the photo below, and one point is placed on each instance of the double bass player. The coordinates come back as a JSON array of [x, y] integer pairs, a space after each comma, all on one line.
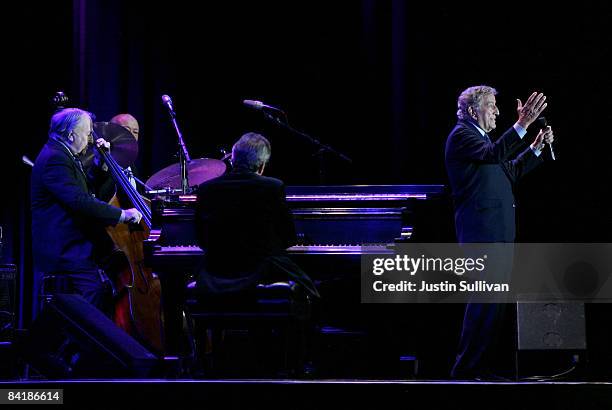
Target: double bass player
[[67, 219]]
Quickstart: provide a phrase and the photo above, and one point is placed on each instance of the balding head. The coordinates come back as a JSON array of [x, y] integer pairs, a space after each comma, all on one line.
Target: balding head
[[128, 122]]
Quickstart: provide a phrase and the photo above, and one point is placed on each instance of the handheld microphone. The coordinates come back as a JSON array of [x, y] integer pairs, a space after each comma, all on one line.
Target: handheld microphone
[[543, 124], [168, 103], [27, 161], [258, 105]]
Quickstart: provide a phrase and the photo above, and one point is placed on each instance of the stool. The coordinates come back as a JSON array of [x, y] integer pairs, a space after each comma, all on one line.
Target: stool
[[280, 307]]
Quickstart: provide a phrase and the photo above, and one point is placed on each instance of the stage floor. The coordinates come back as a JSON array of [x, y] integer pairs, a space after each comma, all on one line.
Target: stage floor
[[314, 394]]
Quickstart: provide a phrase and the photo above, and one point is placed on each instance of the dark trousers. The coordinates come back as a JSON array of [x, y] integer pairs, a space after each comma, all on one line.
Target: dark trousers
[[482, 322], [276, 268], [94, 287], [283, 268], [479, 337]]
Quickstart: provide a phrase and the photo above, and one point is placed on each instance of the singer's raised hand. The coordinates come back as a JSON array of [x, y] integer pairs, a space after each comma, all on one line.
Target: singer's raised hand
[[528, 113]]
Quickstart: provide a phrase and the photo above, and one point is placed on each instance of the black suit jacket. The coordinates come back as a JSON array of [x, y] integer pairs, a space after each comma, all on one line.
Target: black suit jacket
[[482, 174], [67, 221], [242, 219]]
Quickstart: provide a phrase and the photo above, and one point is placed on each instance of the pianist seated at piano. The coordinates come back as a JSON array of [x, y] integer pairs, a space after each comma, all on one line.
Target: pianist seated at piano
[[244, 226]]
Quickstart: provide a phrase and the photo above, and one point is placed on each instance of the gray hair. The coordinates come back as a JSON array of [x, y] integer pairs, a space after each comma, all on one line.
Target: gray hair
[[251, 151], [64, 121], [472, 97]]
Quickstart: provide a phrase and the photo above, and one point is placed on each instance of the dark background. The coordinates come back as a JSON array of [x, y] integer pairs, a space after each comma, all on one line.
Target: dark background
[[377, 80]]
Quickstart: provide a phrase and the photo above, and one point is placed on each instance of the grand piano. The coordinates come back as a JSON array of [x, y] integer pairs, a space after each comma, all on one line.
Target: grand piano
[[334, 224]]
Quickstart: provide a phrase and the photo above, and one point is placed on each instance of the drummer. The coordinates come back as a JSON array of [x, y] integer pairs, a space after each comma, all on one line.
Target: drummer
[[108, 189], [128, 122]]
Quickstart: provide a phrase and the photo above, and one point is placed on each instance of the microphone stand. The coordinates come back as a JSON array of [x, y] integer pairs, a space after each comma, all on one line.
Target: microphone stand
[[321, 148], [183, 154]]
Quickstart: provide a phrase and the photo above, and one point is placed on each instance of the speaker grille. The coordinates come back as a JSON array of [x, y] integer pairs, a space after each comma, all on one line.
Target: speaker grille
[[551, 326]]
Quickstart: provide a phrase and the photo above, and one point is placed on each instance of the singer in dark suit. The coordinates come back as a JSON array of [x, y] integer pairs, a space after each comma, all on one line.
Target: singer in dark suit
[[67, 220], [245, 226], [482, 174]]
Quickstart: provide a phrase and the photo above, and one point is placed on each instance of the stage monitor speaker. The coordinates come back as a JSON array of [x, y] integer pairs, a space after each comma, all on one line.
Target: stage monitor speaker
[[8, 280], [551, 326], [72, 339]]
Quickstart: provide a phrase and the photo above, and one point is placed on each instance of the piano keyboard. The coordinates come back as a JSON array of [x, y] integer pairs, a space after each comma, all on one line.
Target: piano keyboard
[[340, 249]]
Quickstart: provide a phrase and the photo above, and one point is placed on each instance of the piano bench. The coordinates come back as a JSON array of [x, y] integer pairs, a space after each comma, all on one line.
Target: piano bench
[[274, 317]]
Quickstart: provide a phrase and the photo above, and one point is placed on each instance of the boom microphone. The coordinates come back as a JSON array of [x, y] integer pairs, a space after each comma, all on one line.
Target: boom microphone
[[258, 105], [168, 103]]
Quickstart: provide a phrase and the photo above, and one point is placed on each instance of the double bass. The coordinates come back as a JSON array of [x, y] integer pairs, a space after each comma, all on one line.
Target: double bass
[[138, 304]]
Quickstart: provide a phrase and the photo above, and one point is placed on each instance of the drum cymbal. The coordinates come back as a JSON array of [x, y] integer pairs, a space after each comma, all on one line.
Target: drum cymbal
[[199, 170], [124, 147]]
